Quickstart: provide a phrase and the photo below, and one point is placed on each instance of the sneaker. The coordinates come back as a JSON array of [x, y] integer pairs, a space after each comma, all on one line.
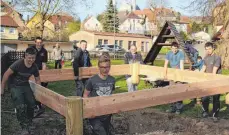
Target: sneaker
[[205, 115], [178, 112], [170, 110], [39, 111], [215, 119]]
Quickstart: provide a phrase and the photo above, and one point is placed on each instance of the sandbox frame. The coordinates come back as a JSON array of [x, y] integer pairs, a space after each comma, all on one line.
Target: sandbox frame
[[74, 108]]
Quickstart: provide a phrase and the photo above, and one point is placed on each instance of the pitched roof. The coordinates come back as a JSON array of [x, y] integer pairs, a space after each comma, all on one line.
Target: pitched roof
[[118, 34], [164, 12], [133, 16], [60, 17], [8, 21], [122, 15], [185, 19], [6, 8], [147, 12]]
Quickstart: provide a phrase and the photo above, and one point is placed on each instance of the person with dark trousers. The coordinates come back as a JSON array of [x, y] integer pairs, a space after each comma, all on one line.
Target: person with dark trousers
[[212, 64], [192, 51], [81, 59], [18, 75], [41, 60], [101, 84], [176, 60]]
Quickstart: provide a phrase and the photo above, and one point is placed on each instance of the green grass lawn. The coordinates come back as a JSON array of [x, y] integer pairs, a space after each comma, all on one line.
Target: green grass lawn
[[67, 88]]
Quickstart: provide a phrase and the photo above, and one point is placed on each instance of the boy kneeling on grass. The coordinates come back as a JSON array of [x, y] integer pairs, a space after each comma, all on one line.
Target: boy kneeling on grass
[[101, 84], [24, 101]]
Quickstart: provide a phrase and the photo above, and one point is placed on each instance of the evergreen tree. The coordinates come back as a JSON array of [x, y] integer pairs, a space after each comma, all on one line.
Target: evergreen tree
[[110, 19]]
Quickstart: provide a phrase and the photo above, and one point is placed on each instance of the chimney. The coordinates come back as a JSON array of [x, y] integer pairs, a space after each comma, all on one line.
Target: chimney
[[133, 5]]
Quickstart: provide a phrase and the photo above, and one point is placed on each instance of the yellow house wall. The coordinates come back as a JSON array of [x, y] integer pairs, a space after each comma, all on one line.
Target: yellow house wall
[[7, 35]]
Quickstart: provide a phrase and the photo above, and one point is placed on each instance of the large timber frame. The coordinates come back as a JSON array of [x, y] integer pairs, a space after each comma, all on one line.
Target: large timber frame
[[74, 109]]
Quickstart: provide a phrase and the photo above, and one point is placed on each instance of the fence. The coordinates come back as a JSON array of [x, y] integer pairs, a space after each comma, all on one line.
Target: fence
[[8, 58]]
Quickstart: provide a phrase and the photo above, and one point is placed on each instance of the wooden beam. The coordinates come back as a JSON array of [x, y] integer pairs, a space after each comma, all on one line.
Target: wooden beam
[[49, 98], [168, 36], [164, 44], [74, 116], [67, 74], [179, 75], [97, 106]]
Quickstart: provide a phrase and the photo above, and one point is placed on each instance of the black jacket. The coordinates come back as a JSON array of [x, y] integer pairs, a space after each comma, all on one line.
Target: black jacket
[[79, 60], [42, 57]]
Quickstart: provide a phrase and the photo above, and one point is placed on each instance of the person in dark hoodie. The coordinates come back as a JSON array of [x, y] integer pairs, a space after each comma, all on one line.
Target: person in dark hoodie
[[41, 60], [81, 59]]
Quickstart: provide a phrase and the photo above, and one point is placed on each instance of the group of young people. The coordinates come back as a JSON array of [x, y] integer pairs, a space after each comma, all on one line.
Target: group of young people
[[101, 84]]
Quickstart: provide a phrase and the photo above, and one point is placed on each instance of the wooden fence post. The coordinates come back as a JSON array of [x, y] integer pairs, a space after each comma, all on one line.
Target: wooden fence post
[[74, 115]]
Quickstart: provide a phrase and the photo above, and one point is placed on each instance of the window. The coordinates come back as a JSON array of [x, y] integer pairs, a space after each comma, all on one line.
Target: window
[[100, 41], [2, 29], [12, 30], [134, 43], [105, 41], [142, 46], [129, 44], [121, 43], [116, 42]]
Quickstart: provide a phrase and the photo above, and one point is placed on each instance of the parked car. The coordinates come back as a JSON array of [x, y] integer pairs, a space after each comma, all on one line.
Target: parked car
[[108, 48]]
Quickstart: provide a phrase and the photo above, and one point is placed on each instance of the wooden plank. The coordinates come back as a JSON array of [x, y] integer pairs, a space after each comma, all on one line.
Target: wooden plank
[[168, 36], [116, 103], [49, 98], [164, 44], [74, 115], [179, 75], [67, 74]]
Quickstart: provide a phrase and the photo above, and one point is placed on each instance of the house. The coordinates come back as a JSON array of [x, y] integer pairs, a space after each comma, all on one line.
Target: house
[[60, 20], [8, 28], [34, 25], [149, 22], [163, 14], [51, 26], [131, 24], [123, 40], [92, 24], [7, 10], [8, 32]]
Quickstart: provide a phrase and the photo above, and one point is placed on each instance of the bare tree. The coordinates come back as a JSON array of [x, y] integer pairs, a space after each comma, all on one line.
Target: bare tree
[[47, 8], [218, 9]]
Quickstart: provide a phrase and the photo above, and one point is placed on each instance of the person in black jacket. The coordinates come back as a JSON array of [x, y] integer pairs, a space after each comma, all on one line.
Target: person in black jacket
[[81, 59], [41, 60]]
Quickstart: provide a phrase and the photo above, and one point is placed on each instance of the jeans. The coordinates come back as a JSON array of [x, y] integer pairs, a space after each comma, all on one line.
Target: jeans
[[58, 63], [216, 104], [24, 102], [194, 57], [101, 125], [131, 87], [80, 86], [179, 104]]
